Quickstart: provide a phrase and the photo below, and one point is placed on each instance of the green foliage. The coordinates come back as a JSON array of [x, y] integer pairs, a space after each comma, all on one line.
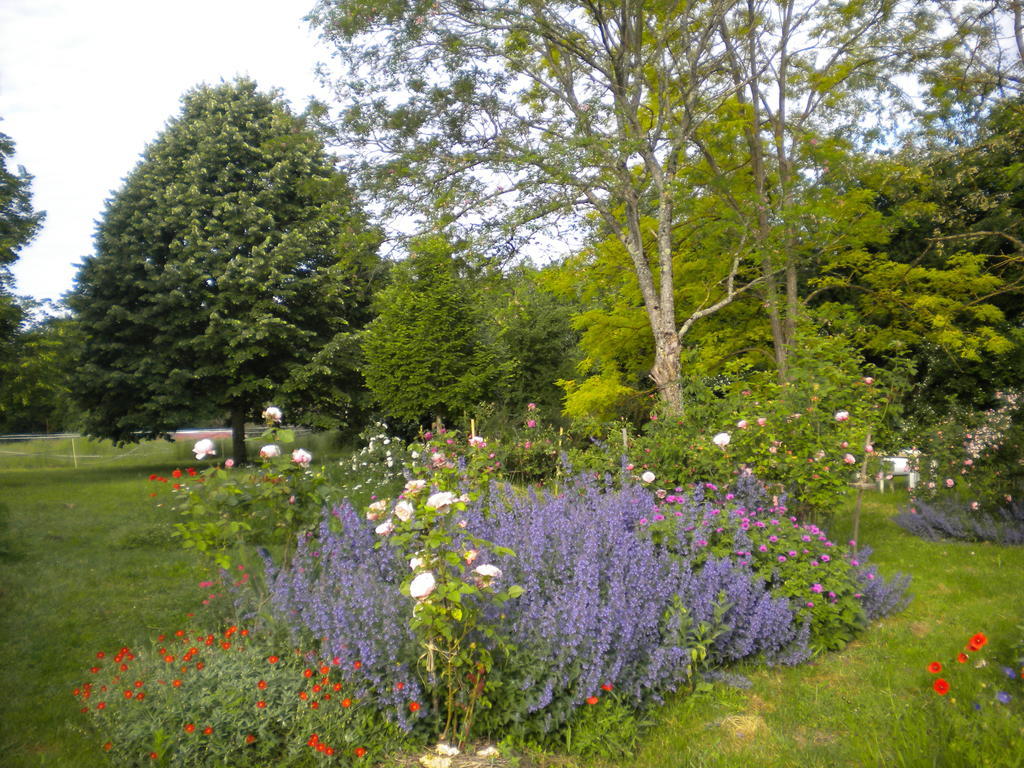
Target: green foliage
[[19, 223], [427, 354], [228, 270], [225, 508], [805, 438], [451, 595], [239, 698], [972, 457], [977, 700], [35, 395]]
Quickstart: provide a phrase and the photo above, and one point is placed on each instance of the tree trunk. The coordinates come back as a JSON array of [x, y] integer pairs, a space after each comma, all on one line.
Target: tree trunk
[[238, 434], [667, 369]]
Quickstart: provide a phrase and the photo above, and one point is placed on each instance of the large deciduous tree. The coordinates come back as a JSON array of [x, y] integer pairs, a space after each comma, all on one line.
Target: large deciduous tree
[[227, 268], [522, 111]]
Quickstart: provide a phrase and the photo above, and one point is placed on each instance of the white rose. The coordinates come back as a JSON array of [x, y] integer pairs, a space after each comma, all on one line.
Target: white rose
[[648, 477], [417, 562], [404, 510], [842, 415], [440, 500], [385, 528], [302, 457], [415, 486], [721, 439], [204, 448], [485, 574], [272, 413], [422, 585], [269, 451]]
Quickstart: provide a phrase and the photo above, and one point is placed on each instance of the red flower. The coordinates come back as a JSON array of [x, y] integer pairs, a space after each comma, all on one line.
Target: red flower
[[140, 696], [935, 667], [961, 657], [191, 472], [128, 694], [261, 684], [169, 659], [324, 669], [176, 474], [414, 706], [977, 642], [101, 705], [108, 746], [337, 686], [941, 686], [154, 756], [329, 751], [100, 655], [190, 728], [261, 704], [200, 665], [303, 695], [399, 686], [357, 664], [273, 659], [308, 673], [592, 700], [348, 703], [360, 751], [606, 687], [207, 730], [315, 705], [176, 683], [250, 739]]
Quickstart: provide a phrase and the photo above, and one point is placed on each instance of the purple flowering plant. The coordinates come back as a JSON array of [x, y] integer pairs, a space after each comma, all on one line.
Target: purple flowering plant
[[826, 585], [452, 584]]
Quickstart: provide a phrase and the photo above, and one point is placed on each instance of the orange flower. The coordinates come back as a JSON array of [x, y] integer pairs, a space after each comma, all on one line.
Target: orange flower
[[273, 659], [190, 728], [207, 730], [324, 669], [261, 704], [360, 751], [935, 667], [261, 684], [308, 673], [977, 642], [348, 703], [592, 700], [414, 706], [606, 687], [941, 686], [108, 746]]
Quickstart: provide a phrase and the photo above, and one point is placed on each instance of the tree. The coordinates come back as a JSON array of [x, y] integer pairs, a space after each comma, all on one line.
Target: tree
[[427, 354], [233, 259], [35, 394], [523, 111], [19, 223]]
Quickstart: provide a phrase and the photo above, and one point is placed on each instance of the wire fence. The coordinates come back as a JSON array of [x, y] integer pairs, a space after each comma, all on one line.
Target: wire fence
[[73, 450]]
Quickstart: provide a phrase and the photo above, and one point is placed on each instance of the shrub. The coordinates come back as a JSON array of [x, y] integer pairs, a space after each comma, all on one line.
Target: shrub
[[950, 519], [833, 591], [806, 438], [232, 698], [602, 610], [972, 459]]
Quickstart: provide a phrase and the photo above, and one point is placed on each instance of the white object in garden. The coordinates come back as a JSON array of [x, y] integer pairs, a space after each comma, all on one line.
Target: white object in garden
[[204, 448]]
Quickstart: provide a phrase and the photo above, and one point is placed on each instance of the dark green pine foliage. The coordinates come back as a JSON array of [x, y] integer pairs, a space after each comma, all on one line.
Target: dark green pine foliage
[[430, 352], [232, 263]]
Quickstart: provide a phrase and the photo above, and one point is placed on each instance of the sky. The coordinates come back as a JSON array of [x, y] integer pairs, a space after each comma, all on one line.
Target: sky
[[85, 85]]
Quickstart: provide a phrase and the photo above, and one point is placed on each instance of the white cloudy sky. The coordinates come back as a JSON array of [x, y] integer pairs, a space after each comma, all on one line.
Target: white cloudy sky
[[86, 84]]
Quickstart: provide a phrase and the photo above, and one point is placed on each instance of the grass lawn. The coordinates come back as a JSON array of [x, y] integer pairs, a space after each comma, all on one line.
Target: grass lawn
[[87, 564]]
